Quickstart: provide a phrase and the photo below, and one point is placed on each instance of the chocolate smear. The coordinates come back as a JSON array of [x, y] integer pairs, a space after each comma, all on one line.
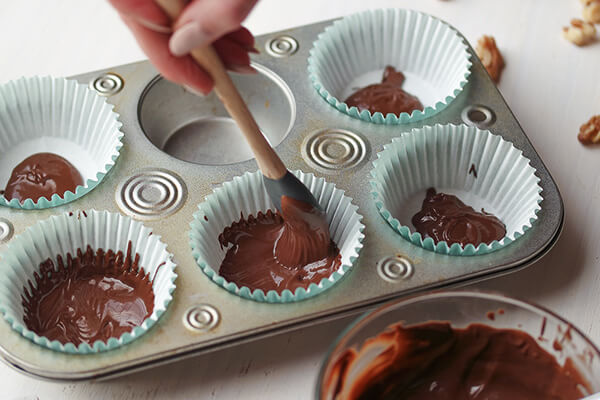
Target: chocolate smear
[[272, 251], [434, 361], [385, 97], [444, 217], [42, 175], [93, 296]]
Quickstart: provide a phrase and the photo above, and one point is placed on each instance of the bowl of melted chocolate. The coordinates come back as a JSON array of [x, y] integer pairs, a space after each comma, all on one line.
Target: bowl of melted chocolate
[[460, 345]]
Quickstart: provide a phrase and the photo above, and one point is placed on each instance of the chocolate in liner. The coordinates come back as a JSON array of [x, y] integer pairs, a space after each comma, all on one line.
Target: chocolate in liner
[[304, 237], [42, 175], [271, 252], [445, 217], [386, 97], [435, 361], [92, 296]]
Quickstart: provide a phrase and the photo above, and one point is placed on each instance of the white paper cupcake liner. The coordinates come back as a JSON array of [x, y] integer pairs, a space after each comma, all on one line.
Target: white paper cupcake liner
[[353, 52], [61, 116], [66, 233], [246, 195], [441, 157]]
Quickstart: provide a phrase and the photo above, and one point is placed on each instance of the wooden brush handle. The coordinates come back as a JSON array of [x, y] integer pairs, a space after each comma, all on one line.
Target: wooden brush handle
[[268, 161]]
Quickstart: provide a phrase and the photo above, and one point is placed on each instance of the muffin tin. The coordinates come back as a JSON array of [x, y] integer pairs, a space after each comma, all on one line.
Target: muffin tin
[[164, 191]]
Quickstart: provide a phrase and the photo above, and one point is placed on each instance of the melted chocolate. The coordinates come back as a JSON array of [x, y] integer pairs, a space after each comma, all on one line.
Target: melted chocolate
[[444, 217], [304, 236], [42, 175], [275, 252], [386, 97], [93, 296], [434, 361]]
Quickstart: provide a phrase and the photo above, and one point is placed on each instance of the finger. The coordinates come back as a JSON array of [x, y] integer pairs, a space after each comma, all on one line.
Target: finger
[[234, 56], [204, 21], [244, 38], [182, 70], [241, 36], [146, 12]]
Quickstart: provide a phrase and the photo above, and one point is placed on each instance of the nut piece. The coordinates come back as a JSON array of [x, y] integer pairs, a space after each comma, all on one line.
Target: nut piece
[[591, 12], [589, 133], [580, 32], [490, 57]]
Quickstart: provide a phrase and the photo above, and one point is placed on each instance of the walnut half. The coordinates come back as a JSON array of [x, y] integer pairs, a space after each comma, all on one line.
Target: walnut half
[[580, 32], [589, 133], [591, 12], [490, 57]]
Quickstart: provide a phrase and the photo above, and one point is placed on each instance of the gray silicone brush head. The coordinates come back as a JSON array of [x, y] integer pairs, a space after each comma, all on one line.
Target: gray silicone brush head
[[289, 186]]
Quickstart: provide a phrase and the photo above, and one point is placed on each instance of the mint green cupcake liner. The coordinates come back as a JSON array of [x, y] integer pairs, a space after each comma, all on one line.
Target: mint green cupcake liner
[[61, 116], [246, 195], [482, 169], [65, 234], [354, 51]]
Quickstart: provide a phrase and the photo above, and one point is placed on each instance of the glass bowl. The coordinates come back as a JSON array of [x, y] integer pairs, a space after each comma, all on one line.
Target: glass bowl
[[462, 308]]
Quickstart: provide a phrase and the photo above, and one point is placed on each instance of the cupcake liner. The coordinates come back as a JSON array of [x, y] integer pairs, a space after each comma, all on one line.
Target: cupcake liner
[[442, 156], [246, 194], [353, 52], [65, 233], [61, 116]]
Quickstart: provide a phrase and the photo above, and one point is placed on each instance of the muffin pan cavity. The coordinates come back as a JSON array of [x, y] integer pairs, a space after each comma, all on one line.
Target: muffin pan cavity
[[66, 236], [219, 212], [197, 128], [480, 168], [59, 116], [354, 51]]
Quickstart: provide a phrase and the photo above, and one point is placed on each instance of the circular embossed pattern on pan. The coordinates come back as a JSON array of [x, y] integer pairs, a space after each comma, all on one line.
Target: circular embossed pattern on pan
[[395, 269], [282, 46], [151, 194], [201, 318], [478, 116], [331, 150], [6, 230], [107, 84]]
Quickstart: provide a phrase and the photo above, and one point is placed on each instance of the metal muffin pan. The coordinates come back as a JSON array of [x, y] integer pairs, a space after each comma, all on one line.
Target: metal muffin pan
[[164, 191]]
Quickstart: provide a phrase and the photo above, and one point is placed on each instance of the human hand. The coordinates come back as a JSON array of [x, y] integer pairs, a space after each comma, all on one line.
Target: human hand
[[202, 22]]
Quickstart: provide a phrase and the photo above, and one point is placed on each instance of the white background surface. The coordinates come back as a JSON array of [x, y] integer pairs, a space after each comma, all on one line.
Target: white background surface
[[551, 85]]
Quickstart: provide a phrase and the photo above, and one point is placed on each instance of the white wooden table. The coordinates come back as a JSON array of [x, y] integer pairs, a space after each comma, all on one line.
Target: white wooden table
[[549, 83]]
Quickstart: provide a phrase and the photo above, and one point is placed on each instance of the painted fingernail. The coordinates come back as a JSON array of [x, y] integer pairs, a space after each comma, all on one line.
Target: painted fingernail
[[243, 69], [252, 49], [187, 38], [154, 27]]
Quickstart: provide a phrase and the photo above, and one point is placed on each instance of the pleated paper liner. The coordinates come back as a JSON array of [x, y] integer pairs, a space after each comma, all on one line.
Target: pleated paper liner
[[480, 168], [353, 52], [246, 195], [61, 116], [66, 233]]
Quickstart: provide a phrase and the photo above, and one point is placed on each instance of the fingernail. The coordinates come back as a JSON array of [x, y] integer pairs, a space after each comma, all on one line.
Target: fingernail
[[252, 49], [243, 69], [195, 91], [187, 38], [154, 27]]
